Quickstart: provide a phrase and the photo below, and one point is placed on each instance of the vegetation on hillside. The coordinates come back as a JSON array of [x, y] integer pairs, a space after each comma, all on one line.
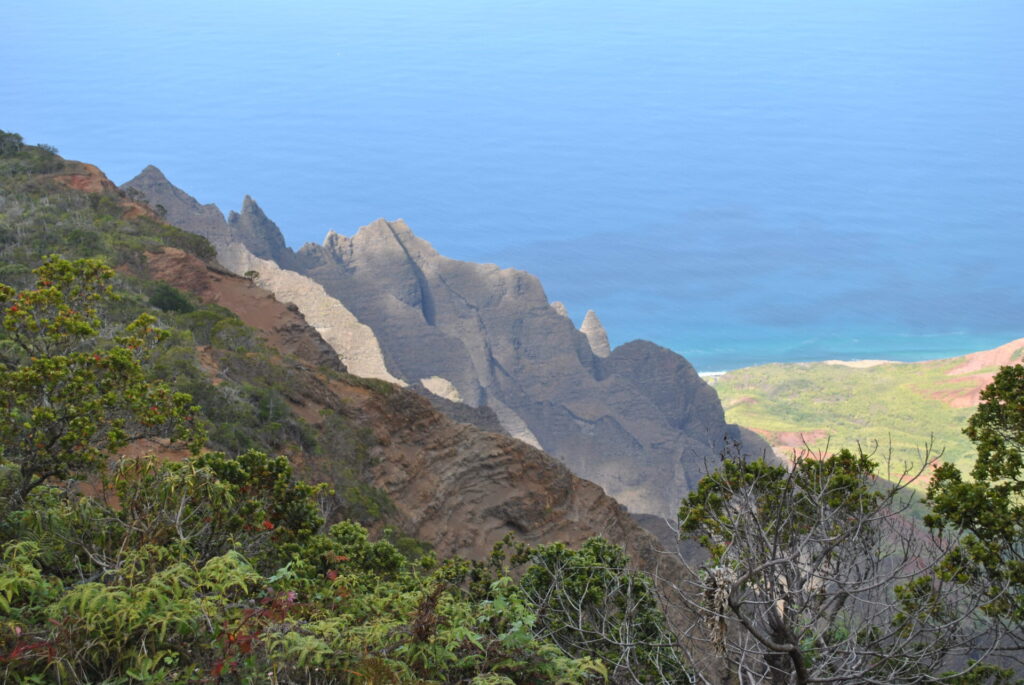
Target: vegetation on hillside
[[218, 563], [223, 566], [833, 406], [814, 575], [66, 403], [985, 510]]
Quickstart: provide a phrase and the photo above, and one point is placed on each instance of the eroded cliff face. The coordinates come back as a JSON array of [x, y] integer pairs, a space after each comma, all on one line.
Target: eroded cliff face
[[353, 341], [249, 241], [637, 420], [454, 485]]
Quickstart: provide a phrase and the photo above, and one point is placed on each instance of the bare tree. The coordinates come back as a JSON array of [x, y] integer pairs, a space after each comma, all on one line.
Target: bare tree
[[815, 575]]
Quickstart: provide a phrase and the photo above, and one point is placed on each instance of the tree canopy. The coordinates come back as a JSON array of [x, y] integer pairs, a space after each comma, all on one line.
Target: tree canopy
[[71, 392], [986, 509]]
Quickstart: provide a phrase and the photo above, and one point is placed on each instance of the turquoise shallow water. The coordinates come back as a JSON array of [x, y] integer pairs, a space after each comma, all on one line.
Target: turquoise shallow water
[[739, 180]]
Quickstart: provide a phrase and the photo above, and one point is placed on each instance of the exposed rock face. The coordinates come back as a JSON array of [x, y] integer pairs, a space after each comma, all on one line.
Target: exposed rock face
[[464, 489], [483, 418], [441, 387], [259, 234], [353, 341], [457, 487], [639, 422], [285, 327], [596, 335], [182, 210], [251, 241]]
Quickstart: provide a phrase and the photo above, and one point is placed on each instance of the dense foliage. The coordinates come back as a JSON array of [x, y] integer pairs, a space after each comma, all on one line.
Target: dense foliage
[[987, 510], [67, 399], [216, 569]]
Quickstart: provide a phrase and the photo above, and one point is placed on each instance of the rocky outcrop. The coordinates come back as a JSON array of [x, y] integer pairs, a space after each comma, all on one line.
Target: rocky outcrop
[[642, 425], [249, 241], [560, 308], [596, 335], [464, 489], [441, 387], [483, 418], [257, 233], [639, 421], [178, 207]]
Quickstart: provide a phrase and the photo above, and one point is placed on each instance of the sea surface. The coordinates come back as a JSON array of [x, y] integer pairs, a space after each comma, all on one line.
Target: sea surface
[[743, 181]]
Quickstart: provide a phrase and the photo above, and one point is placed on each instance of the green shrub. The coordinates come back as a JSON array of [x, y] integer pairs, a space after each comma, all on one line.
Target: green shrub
[[170, 299]]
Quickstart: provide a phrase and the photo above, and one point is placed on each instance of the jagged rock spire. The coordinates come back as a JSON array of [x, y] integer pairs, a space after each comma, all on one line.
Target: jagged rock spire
[[596, 335]]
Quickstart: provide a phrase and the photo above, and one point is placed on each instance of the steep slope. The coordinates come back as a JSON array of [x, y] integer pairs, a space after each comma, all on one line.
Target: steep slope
[[286, 329], [457, 487], [460, 488], [245, 355], [489, 337]]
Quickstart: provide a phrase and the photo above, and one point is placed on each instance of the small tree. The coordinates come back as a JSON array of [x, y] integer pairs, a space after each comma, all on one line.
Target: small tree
[[70, 398], [10, 143], [814, 576], [986, 512]]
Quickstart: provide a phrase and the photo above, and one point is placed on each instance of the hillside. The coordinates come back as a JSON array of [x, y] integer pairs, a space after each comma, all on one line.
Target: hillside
[[263, 379], [829, 405], [637, 420], [150, 534]]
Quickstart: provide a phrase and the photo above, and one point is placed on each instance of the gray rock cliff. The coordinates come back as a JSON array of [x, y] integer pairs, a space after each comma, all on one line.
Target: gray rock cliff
[[250, 241], [638, 420]]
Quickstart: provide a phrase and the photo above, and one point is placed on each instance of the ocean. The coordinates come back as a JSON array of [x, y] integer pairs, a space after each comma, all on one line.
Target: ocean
[[739, 180]]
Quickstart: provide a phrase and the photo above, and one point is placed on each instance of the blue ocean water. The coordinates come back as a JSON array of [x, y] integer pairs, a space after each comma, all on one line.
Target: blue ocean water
[[742, 181]]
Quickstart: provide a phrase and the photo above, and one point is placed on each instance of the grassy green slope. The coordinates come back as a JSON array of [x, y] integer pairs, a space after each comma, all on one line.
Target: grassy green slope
[[837, 406]]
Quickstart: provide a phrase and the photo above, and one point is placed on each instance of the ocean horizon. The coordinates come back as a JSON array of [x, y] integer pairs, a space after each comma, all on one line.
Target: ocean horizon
[[742, 182]]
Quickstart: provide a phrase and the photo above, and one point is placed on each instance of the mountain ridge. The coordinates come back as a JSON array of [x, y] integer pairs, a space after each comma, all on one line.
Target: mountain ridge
[[458, 488], [491, 337]]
